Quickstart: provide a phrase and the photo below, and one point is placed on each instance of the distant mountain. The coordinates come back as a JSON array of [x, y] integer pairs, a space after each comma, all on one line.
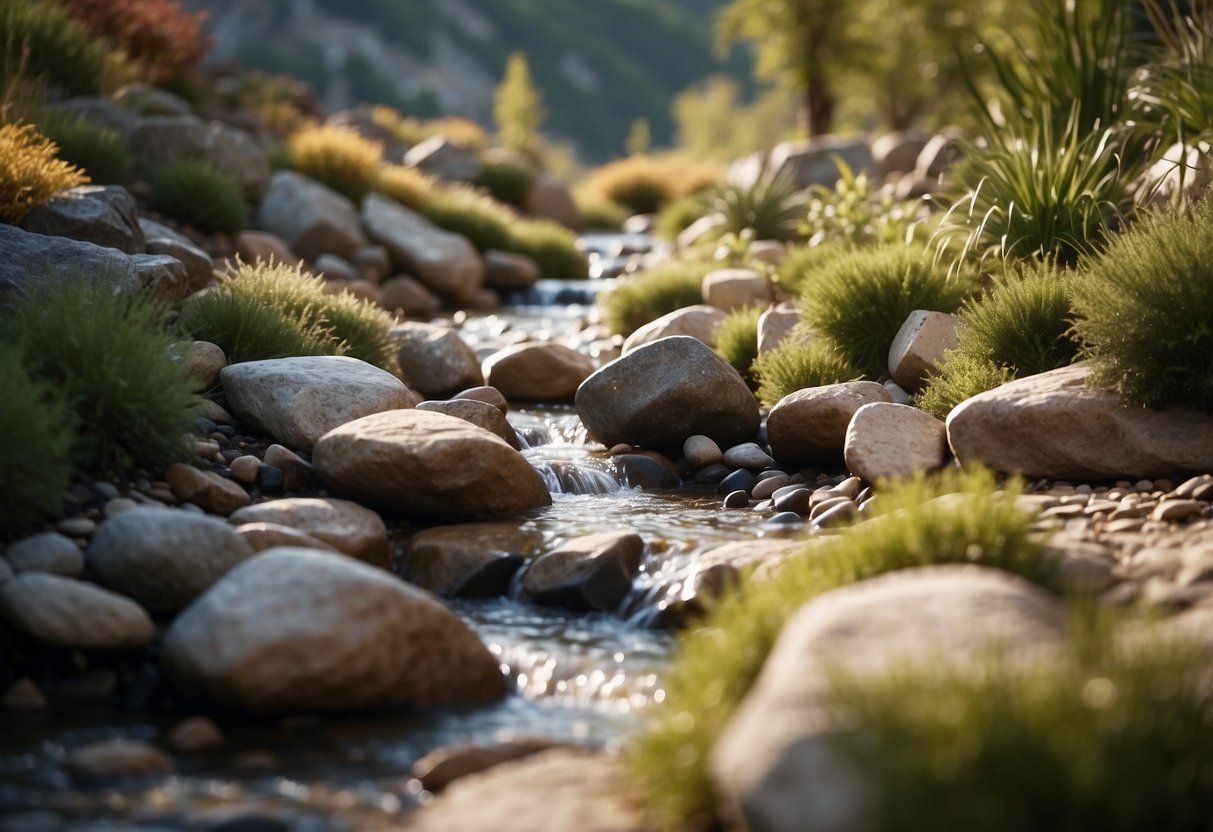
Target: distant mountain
[[600, 63]]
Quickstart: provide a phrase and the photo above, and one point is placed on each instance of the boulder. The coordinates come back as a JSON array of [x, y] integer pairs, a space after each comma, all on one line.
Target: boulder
[[897, 152], [481, 414], [730, 289], [203, 363], [428, 464], [309, 217], [815, 161], [446, 263], [939, 153], [100, 110], [164, 558], [551, 199], [892, 441], [35, 260], [474, 560], [698, 321], [774, 325], [159, 140], [919, 346], [1054, 425], [347, 527], [162, 240], [205, 489], [409, 297], [298, 400], [589, 574], [105, 215], [262, 536], [508, 272], [444, 159], [537, 371], [46, 552], [774, 763], [264, 247], [68, 613], [435, 360], [305, 630], [810, 425], [659, 394]]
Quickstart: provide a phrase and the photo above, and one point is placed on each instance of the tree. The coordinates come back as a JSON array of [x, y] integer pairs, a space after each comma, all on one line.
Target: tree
[[640, 138], [518, 107], [713, 122]]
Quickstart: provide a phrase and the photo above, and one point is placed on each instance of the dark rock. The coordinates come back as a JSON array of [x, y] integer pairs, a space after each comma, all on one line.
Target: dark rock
[[105, 215]]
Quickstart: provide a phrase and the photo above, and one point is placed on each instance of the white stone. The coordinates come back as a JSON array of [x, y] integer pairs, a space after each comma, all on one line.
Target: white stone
[[774, 325], [893, 441], [698, 321], [730, 289], [810, 425], [919, 346]]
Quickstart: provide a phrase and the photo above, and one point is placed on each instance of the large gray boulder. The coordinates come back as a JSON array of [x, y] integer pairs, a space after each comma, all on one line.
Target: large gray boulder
[[158, 140], [302, 629], [298, 400], [68, 613], [428, 464], [775, 764], [1054, 425], [435, 360], [164, 558], [810, 425], [32, 260], [661, 393], [446, 263], [162, 240], [105, 215], [444, 159], [311, 218]]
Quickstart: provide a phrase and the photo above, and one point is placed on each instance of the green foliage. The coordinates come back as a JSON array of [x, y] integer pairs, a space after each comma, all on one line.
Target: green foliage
[[115, 364], [1107, 737], [736, 339], [508, 182], [35, 455], [337, 157], [714, 122], [770, 207], [858, 300], [652, 293], [677, 215], [99, 151], [463, 210], [408, 186], [1020, 327], [551, 245], [975, 523], [1173, 92], [518, 107], [641, 184], [802, 262], [275, 311], [30, 173], [48, 43], [1144, 310], [855, 212], [801, 360], [601, 214], [194, 192]]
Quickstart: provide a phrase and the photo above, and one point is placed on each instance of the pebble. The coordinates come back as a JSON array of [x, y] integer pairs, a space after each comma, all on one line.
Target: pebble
[[824, 506], [6, 571], [193, 735], [1197, 488], [747, 455], [214, 412], [1175, 510], [106, 489], [712, 473], [850, 487], [270, 479], [839, 513], [23, 694], [796, 499], [1063, 512], [786, 518], [76, 527], [740, 479], [621, 448], [773, 472], [116, 760], [296, 472], [244, 468], [46, 552], [737, 499], [163, 495], [118, 505], [764, 505], [701, 451], [767, 486]]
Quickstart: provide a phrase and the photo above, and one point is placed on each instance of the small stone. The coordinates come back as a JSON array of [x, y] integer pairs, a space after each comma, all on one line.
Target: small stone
[[1176, 510], [588, 573], [740, 479], [108, 760], [825, 505], [920, 344], [712, 473], [270, 479], [263, 536], [747, 455], [76, 527], [620, 448], [835, 514], [214, 412], [769, 485], [23, 694], [647, 470], [194, 734], [46, 552], [737, 499], [297, 474], [118, 505], [65, 612], [701, 451], [786, 518], [203, 362], [897, 393], [206, 489], [796, 499], [486, 394], [1187, 490], [443, 766], [352, 529], [244, 469]]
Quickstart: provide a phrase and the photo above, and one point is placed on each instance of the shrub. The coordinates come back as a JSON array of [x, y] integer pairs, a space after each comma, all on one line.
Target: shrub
[[508, 182], [29, 172], [601, 214], [736, 339], [551, 245], [677, 215], [801, 360], [1107, 737], [641, 184], [770, 207], [56, 47], [855, 212], [35, 454], [194, 192], [408, 186], [649, 294], [275, 311], [720, 660], [159, 35], [1020, 327], [463, 210], [802, 262], [1143, 310], [337, 157], [860, 299], [98, 151], [120, 370]]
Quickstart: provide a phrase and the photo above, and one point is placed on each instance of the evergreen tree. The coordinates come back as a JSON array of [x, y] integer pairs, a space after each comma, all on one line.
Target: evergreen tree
[[518, 107]]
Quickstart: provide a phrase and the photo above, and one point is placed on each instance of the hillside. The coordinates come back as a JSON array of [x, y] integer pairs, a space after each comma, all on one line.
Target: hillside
[[600, 65]]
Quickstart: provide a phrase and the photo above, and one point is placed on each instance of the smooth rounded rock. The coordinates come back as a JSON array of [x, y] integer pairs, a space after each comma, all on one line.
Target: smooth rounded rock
[[347, 527], [737, 499], [810, 425], [263, 536], [205, 489], [698, 321], [747, 455], [541, 371], [700, 451], [646, 470], [244, 469], [277, 635], [587, 573], [486, 394], [46, 552], [203, 363], [121, 759], [435, 360], [481, 414], [475, 560], [68, 613], [886, 441], [739, 480]]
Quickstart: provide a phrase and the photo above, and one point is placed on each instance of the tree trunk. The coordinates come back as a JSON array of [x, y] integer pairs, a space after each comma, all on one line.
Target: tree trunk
[[817, 108]]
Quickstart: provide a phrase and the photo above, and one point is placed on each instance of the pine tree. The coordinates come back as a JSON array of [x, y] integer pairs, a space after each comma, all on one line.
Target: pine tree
[[518, 107]]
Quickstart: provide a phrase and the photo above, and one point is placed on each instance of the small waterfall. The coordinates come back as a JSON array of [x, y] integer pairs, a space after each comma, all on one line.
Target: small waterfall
[[585, 477]]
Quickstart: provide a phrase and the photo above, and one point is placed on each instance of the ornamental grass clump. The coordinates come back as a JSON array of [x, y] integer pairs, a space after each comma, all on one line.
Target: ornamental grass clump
[[467, 212], [770, 207], [38, 430], [44, 41], [1019, 327], [601, 214], [100, 152], [1107, 736], [338, 157], [273, 310], [954, 517], [505, 181], [735, 339], [801, 360], [859, 300], [408, 186], [30, 171], [118, 367], [552, 246], [1143, 311], [641, 184], [195, 192], [678, 215], [646, 296], [802, 263]]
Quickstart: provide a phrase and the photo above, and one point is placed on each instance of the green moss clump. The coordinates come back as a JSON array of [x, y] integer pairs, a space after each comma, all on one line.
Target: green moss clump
[[552, 246], [652, 293], [799, 268], [481, 219], [194, 192], [507, 182], [678, 215], [801, 360], [601, 214], [736, 340], [99, 151], [338, 157]]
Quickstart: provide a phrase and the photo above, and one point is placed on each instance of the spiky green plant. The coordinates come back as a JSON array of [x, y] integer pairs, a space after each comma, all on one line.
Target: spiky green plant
[[855, 212], [195, 192], [647, 295], [801, 360], [1173, 92], [552, 246], [38, 430], [719, 661], [463, 210], [769, 207], [274, 311], [961, 376], [120, 370], [505, 181], [1143, 311], [859, 300], [735, 339], [99, 151]]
